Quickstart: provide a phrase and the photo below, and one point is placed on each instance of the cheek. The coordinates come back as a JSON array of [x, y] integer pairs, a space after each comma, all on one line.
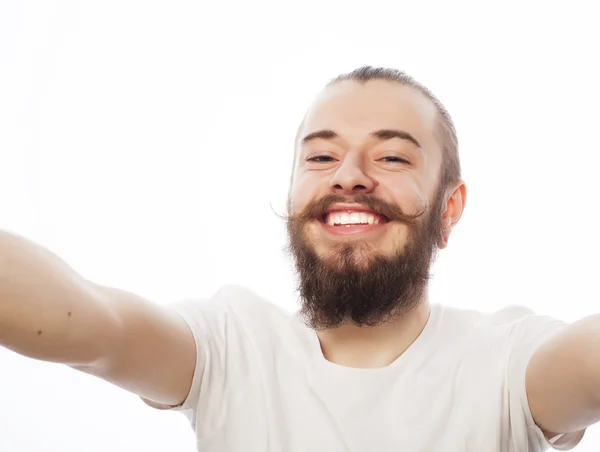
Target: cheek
[[302, 193], [300, 197], [407, 193], [394, 239]]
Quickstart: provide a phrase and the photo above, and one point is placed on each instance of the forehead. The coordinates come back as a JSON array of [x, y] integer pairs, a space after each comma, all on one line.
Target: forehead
[[354, 110]]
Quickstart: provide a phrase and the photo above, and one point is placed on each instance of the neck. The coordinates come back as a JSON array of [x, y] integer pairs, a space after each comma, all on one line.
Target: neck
[[372, 347]]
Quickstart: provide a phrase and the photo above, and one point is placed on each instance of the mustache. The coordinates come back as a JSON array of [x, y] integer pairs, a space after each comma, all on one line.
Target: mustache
[[390, 211]]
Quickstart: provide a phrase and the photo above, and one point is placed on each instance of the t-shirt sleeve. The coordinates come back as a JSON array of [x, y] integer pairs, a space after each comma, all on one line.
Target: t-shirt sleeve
[[222, 362], [526, 335]]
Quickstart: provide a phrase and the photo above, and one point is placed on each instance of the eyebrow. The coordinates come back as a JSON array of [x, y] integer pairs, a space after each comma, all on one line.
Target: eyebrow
[[382, 134]]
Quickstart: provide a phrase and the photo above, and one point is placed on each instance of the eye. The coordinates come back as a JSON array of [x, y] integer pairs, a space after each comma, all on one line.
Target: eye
[[321, 159], [395, 159]]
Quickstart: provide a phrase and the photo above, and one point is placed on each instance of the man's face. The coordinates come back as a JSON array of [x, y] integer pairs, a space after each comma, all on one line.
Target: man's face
[[365, 203]]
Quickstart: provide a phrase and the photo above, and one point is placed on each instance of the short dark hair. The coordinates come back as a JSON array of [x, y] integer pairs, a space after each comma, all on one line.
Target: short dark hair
[[451, 170]]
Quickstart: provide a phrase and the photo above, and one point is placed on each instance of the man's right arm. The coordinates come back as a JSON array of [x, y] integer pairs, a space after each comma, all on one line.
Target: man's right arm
[[50, 312]]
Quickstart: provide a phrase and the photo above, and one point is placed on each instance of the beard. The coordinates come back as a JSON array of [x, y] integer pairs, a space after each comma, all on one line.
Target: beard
[[355, 284]]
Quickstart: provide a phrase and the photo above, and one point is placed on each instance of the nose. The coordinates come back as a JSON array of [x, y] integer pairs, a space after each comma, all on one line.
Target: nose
[[351, 178]]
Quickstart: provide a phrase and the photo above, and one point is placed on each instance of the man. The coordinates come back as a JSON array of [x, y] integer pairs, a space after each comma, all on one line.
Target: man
[[368, 363]]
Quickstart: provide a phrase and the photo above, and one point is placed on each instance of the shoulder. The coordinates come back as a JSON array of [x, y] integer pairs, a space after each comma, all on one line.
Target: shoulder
[[521, 324], [236, 307], [509, 317], [511, 326], [247, 326], [249, 307]]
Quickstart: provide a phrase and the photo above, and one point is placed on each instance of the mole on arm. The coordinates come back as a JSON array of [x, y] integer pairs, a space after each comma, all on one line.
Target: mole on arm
[[39, 332]]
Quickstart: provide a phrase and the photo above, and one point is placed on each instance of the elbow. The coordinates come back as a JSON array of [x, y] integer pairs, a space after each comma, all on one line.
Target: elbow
[[99, 338]]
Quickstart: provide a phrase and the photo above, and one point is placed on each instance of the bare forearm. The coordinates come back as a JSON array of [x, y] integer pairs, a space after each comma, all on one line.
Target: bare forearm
[[563, 378], [47, 310]]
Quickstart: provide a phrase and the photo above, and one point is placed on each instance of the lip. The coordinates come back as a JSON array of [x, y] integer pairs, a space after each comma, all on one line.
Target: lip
[[354, 229], [349, 208], [343, 207]]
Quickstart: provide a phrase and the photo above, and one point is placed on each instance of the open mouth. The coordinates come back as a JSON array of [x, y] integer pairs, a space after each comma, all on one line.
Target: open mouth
[[352, 218]]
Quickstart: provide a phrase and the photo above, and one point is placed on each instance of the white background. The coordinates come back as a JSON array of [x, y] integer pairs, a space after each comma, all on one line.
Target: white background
[[149, 144]]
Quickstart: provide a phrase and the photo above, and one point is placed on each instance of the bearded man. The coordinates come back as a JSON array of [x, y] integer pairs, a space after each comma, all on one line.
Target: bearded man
[[368, 363]]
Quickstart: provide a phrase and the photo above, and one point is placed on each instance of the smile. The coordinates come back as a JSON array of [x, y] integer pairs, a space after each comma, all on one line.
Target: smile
[[349, 220], [338, 218]]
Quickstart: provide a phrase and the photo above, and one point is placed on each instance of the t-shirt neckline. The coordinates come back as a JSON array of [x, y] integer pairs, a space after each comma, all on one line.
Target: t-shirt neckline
[[414, 354]]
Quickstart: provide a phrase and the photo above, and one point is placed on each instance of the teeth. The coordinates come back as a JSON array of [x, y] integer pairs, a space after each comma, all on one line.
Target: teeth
[[349, 218]]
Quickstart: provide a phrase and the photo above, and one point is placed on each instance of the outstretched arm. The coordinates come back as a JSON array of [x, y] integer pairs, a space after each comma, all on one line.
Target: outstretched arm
[[563, 379], [50, 312]]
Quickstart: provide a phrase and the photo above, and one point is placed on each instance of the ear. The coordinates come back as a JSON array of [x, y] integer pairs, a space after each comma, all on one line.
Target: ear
[[456, 199]]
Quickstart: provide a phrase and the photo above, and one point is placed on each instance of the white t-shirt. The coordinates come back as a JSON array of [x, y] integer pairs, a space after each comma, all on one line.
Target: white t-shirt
[[262, 384]]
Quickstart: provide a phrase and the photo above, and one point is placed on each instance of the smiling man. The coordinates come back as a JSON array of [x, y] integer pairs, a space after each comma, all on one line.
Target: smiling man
[[367, 199], [369, 362]]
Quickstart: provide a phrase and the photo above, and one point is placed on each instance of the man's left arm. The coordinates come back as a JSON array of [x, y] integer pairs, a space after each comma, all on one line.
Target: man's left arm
[[563, 379]]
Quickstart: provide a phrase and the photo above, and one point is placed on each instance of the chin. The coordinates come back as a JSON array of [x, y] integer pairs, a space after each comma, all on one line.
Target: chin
[[358, 256]]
